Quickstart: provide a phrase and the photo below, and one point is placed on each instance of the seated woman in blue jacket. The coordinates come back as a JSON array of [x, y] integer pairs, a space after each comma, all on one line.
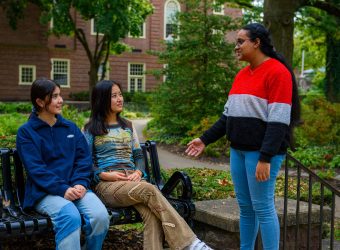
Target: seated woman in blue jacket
[[58, 164]]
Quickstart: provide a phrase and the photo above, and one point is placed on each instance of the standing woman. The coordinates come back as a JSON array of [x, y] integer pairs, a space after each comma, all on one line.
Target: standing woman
[[258, 119], [58, 164], [120, 170]]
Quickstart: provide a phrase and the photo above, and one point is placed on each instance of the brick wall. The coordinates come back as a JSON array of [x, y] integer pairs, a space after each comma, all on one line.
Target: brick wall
[[29, 45]]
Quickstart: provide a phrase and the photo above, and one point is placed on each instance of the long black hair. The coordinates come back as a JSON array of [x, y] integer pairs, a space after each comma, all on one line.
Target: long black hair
[[42, 88], [257, 30], [101, 108]]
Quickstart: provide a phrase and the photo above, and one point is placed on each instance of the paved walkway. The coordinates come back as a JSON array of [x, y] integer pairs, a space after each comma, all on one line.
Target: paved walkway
[[170, 160]]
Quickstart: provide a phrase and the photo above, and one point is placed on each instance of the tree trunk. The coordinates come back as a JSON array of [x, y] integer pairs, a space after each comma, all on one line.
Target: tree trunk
[[332, 81], [93, 77], [279, 20]]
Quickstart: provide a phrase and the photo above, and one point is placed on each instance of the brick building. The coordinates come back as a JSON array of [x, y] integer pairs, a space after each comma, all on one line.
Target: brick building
[[28, 53]]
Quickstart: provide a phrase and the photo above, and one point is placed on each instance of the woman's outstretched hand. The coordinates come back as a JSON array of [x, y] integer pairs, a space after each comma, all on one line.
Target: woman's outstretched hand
[[195, 147]]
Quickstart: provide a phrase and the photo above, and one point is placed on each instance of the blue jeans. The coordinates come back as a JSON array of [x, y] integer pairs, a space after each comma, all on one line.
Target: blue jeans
[[67, 217], [255, 199]]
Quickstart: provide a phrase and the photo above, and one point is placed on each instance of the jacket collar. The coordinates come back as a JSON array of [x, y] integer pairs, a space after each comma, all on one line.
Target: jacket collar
[[36, 122]]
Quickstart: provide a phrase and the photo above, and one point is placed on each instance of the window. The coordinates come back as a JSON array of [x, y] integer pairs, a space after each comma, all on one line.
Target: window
[[51, 23], [142, 31], [170, 25], [218, 9], [94, 28], [136, 77], [61, 71], [26, 74], [107, 71], [165, 67]]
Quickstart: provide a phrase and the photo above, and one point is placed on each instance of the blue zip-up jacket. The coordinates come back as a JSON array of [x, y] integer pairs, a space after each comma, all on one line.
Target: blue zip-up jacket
[[55, 158]]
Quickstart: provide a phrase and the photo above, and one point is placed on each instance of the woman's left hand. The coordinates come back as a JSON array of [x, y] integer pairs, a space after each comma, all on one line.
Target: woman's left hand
[[262, 171], [135, 176]]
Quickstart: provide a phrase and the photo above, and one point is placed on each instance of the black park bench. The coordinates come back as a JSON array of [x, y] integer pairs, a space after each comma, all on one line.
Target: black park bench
[[17, 223]]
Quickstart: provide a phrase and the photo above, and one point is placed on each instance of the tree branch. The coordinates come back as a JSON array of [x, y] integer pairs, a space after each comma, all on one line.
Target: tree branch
[[100, 46], [107, 53], [330, 8], [243, 3], [81, 37]]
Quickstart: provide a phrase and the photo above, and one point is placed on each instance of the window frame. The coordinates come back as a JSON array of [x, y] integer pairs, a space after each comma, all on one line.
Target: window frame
[[33, 67], [68, 70], [218, 12], [93, 33], [165, 15], [107, 73], [136, 76]]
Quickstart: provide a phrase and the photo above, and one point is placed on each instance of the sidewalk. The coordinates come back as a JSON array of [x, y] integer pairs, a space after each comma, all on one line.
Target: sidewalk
[[170, 160]]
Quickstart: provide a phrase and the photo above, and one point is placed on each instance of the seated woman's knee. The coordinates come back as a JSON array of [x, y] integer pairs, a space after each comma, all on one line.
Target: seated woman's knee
[[149, 187], [102, 217], [70, 214]]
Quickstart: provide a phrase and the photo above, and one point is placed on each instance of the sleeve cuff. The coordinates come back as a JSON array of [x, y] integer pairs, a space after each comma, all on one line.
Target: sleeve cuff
[[81, 182], [265, 157], [204, 140], [62, 190]]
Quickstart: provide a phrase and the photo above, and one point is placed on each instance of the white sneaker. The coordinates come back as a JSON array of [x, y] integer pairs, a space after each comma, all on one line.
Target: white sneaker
[[198, 245]]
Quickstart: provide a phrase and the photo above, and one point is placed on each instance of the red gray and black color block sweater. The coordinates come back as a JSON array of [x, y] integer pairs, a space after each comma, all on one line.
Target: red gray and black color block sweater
[[257, 113]]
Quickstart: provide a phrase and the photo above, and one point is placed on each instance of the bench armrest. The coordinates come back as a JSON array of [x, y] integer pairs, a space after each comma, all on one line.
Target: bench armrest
[[172, 183]]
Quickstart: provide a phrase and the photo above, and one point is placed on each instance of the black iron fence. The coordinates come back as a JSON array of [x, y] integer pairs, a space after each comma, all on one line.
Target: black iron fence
[[308, 218], [320, 192]]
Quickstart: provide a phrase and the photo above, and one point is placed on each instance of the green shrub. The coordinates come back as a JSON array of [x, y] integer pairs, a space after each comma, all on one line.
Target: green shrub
[[80, 96], [138, 102], [216, 149], [318, 156], [7, 141], [321, 124], [73, 114], [137, 97], [12, 107], [11, 122]]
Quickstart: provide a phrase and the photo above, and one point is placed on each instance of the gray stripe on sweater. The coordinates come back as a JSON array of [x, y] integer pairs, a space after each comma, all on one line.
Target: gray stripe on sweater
[[242, 105]]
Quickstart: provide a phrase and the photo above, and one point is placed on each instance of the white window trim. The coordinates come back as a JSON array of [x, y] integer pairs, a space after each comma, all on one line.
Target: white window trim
[[51, 23], [136, 76], [20, 74], [217, 12], [107, 73], [165, 66], [141, 37], [179, 10], [92, 29], [68, 70]]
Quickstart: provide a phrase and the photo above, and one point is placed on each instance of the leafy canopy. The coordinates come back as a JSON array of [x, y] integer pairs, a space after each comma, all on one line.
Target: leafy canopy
[[113, 18]]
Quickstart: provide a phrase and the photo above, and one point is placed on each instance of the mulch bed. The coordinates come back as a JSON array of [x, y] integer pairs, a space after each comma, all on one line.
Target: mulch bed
[[115, 239]]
